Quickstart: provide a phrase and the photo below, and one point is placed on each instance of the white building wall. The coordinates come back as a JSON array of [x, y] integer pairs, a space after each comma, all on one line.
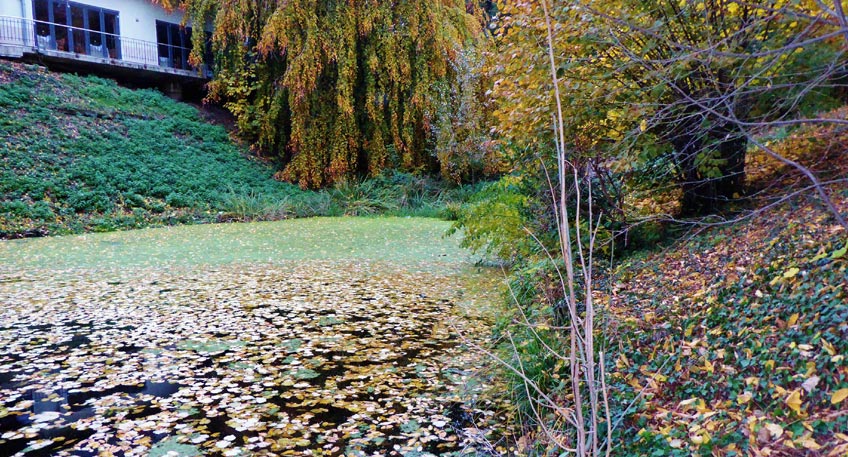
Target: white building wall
[[136, 24], [12, 8], [136, 18], [15, 36]]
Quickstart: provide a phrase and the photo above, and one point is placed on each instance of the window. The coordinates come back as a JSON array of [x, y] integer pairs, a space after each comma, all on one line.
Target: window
[[74, 27], [174, 44]]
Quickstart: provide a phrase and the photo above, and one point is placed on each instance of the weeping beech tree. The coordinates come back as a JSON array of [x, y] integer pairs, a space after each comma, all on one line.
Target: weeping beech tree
[[336, 89]]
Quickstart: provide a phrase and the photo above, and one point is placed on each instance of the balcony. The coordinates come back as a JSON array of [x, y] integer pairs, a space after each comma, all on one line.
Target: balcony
[[91, 50]]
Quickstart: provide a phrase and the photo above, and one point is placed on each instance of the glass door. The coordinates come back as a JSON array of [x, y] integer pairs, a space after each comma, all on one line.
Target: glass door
[[60, 16], [174, 45], [95, 35], [76, 27], [110, 29], [79, 43], [43, 30]]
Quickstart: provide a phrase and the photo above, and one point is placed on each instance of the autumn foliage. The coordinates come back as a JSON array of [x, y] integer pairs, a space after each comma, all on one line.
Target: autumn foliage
[[343, 89]]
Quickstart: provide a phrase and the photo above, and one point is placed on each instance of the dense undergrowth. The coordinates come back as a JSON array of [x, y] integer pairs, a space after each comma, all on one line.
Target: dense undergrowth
[[734, 342], [727, 338], [84, 154]]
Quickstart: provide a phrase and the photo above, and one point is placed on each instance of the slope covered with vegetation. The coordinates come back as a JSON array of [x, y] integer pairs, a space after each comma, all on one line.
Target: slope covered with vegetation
[[728, 338], [85, 154], [734, 341]]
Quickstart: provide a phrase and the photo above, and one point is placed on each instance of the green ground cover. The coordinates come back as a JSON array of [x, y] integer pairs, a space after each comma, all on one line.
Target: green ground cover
[[83, 154]]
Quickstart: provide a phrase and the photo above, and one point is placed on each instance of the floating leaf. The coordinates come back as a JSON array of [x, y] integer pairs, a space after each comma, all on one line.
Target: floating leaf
[[214, 354]]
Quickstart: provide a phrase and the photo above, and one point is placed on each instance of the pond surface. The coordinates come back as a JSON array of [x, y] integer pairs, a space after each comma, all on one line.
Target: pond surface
[[305, 337]]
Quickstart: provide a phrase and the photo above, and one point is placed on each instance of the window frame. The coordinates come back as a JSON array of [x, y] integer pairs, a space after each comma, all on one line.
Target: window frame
[[183, 35], [68, 25]]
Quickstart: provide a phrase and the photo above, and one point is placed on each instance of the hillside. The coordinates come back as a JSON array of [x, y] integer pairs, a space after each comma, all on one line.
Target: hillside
[[733, 339], [82, 153]]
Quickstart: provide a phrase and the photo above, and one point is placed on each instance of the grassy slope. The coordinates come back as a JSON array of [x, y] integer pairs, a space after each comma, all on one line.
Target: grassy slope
[[734, 341], [84, 154]]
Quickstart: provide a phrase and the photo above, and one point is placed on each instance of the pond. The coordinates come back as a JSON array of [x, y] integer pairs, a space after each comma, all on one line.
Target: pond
[[329, 336]]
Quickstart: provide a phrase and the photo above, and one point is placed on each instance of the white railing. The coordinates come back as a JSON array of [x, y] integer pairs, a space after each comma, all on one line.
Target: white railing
[[75, 41]]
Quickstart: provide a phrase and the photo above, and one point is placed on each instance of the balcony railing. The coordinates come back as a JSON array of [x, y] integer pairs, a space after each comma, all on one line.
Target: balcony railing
[[75, 42]]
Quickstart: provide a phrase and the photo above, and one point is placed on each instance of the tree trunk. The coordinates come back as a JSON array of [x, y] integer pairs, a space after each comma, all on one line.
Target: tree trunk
[[703, 194], [732, 147]]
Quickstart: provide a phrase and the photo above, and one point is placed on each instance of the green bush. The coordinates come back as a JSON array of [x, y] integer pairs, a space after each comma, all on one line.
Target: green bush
[[90, 202]]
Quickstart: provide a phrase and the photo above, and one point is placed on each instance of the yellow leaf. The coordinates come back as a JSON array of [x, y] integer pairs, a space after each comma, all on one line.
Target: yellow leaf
[[819, 256], [643, 125], [743, 398], [700, 437], [733, 8], [687, 402], [811, 444], [838, 396], [794, 402], [792, 320], [839, 253], [828, 347], [791, 272]]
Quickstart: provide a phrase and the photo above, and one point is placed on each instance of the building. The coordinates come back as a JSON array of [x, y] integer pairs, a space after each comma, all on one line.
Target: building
[[131, 39]]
